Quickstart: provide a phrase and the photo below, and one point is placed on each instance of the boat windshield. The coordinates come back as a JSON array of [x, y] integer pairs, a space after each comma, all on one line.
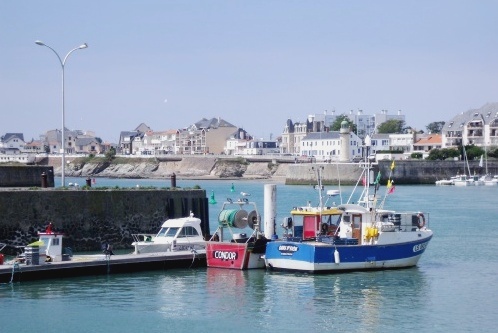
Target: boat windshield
[[188, 232], [171, 232], [167, 232], [334, 219], [162, 232]]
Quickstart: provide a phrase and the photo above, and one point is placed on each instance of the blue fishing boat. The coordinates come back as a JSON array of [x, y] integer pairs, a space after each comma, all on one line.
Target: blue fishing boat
[[350, 236]]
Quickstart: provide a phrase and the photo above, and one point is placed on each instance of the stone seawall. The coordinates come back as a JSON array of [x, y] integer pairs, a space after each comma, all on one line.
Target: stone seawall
[[427, 172], [405, 172], [25, 175], [90, 218], [332, 174]]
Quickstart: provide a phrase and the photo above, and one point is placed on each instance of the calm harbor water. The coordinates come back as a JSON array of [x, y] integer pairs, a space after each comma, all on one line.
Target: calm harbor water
[[454, 287]]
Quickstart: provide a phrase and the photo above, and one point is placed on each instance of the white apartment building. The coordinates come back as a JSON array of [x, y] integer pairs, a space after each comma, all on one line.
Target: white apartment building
[[476, 126], [326, 146], [380, 142], [402, 142], [384, 116], [365, 123]]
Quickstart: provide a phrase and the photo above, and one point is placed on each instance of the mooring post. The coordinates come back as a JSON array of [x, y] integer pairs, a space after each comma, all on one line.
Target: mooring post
[[173, 180], [44, 180]]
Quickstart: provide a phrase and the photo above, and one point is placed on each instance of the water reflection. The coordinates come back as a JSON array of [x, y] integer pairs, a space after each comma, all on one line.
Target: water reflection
[[336, 302], [361, 302]]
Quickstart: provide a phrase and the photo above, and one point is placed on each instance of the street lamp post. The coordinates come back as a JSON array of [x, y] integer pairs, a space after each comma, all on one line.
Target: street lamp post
[[63, 63]]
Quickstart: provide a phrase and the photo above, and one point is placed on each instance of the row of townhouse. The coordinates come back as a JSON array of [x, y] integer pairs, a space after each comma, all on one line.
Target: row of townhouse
[[295, 132], [217, 136], [207, 136], [309, 138], [76, 142], [327, 146], [312, 138], [477, 127]]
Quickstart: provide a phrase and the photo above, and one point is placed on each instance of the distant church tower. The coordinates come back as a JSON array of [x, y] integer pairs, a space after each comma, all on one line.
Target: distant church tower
[[345, 146]]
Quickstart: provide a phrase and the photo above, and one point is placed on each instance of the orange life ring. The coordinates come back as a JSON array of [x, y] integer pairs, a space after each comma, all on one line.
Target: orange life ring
[[421, 220]]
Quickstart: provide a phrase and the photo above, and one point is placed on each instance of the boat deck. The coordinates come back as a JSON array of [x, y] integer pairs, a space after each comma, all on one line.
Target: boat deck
[[100, 264]]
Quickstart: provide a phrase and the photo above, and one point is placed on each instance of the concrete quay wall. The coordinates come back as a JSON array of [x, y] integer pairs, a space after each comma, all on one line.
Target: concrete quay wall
[[25, 175], [405, 171], [289, 170], [92, 217], [427, 172]]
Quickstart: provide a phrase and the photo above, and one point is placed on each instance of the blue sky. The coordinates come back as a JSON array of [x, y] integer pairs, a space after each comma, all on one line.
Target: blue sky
[[253, 63]]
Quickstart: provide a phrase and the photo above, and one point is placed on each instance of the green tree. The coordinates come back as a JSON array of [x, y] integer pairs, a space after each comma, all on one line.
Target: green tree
[[442, 154], [110, 154], [492, 152], [391, 126], [336, 125], [417, 156], [473, 152], [435, 127]]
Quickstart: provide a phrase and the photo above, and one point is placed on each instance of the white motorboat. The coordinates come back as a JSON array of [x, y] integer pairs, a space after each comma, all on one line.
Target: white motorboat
[[180, 234], [446, 182], [463, 180], [489, 180]]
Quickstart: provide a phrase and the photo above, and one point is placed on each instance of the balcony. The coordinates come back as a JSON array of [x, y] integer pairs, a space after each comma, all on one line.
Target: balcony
[[474, 133]]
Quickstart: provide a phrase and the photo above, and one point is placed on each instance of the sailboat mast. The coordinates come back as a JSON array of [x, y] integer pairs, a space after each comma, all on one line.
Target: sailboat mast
[[466, 160], [486, 158]]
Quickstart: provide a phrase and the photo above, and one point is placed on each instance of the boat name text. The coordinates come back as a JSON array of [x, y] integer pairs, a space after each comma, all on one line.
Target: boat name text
[[420, 247], [288, 250], [225, 255]]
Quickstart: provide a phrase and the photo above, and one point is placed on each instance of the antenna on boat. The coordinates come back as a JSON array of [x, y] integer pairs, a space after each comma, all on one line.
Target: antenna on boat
[[390, 184], [367, 177], [331, 194], [319, 185], [339, 180], [365, 174], [368, 144]]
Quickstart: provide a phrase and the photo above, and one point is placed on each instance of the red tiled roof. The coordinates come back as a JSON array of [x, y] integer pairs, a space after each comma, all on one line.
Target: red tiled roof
[[433, 139]]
